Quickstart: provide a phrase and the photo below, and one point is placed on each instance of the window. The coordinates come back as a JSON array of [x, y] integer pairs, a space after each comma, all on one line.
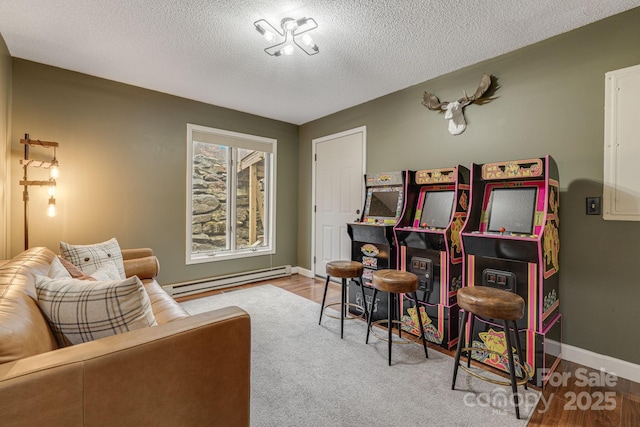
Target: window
[[230, 194]]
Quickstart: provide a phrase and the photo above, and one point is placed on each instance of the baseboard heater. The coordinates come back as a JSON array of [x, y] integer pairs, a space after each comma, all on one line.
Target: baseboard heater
[[219, 282]]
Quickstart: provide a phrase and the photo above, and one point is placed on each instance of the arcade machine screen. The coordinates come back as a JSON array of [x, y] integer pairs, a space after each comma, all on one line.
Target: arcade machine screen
[[384, 204], [512, 209], [437, 209]]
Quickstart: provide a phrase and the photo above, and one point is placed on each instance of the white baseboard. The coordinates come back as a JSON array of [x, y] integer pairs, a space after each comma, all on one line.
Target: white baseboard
[[302, 271], [621, 368], [202, 285]]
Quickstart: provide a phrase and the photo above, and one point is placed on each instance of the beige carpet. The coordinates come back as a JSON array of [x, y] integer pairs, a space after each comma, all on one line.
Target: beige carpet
[[303, 374]]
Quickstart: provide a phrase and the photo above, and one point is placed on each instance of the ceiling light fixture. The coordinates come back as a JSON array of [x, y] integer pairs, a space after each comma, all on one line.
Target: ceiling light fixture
[[293, 31]]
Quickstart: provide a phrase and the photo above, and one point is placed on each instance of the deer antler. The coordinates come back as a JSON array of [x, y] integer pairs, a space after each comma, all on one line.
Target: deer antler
[[432, 102], [485, 82]]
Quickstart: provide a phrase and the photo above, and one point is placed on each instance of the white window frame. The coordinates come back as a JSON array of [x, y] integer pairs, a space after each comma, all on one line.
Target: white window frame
[[236, 140]]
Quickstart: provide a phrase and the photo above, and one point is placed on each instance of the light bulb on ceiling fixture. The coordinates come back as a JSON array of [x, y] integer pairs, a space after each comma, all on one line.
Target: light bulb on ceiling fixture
[[268, 35], [306, 39], [51, 209], [52, 188], [287, 50]]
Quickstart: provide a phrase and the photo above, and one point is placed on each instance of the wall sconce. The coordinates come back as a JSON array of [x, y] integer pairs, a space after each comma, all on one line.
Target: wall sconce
[[51, 182], [294, 31]]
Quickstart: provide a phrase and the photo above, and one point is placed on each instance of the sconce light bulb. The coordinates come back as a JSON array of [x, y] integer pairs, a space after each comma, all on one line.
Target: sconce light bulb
[[51, 210], [54, 172], [52, 190]]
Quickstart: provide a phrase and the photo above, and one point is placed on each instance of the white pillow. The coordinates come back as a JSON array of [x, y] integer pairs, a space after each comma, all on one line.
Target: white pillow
[[90, 258], [57, 270], [80, 311], [107, 271]]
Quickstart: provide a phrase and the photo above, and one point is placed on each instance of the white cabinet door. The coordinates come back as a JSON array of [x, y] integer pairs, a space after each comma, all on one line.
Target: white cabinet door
[[621, 192]]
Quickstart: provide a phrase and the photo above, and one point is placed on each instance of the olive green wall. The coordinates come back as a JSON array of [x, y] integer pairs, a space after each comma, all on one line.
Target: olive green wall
[[123, 162], [123, 167], [550, 101], [5, 119]]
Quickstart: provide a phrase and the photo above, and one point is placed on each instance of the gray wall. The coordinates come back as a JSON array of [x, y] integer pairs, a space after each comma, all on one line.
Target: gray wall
[[550, 101], [123, 167], [5, 150]]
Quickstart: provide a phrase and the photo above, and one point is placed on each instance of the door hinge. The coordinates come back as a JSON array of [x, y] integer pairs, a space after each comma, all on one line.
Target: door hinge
[[315, 208], [314, 259], [315, 157]]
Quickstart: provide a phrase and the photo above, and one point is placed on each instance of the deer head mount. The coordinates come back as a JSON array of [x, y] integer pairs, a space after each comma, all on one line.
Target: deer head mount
[[453, 110]]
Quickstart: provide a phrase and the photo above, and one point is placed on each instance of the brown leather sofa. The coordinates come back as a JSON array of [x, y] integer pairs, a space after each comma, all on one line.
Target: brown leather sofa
[[187, 371]]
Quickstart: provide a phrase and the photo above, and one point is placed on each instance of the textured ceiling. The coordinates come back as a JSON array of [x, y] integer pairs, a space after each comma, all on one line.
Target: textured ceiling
[[210, 51]]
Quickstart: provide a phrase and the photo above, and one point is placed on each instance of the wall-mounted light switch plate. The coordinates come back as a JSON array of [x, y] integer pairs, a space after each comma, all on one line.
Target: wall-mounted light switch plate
[[593, 206]]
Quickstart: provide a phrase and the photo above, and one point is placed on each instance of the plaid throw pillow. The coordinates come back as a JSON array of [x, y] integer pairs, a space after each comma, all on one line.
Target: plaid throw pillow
[[90, 258], [80, 311]]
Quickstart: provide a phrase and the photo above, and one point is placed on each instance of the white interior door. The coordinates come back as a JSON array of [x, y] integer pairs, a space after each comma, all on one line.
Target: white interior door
[[338, 194]]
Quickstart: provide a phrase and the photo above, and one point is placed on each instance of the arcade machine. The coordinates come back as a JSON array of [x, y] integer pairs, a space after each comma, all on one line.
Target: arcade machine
[[510, 241], [428, 236], [372, 240]]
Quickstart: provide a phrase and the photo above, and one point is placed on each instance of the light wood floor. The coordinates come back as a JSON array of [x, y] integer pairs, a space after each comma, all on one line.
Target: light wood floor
[[573, 404]]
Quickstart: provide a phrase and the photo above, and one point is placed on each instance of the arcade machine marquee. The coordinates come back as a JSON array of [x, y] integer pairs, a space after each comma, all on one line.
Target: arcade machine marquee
[[511, 241]]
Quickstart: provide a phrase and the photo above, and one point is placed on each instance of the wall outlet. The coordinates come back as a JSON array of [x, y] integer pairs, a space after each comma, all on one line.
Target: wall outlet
[[593, 206]]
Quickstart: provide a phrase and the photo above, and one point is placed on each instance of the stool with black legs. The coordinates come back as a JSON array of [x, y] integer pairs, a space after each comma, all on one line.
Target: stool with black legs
[[344, 270], [500, 305], [396, 283]]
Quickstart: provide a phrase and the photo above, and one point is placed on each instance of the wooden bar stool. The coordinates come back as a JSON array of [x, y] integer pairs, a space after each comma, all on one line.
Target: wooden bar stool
[[395, 283], [497, 304], [344, 270]]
